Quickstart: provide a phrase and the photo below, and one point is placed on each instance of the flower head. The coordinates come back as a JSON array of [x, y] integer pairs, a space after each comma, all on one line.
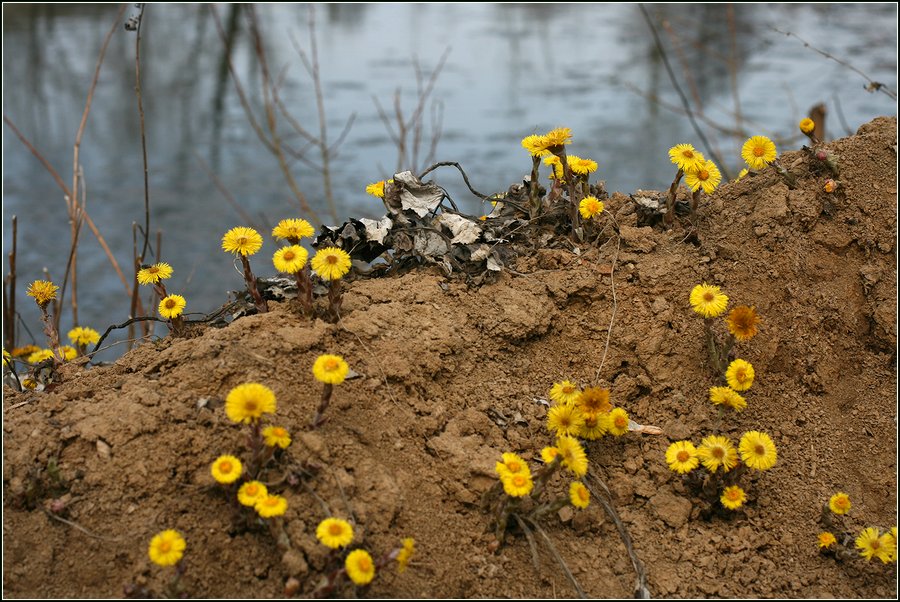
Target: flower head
[[839, 503], [558, 137], [686, 157], [758, 450], [595, 426], [707, 176], [742, 322], [290, 260], [727, 396], [682, 457], [226, 469], [554, 162], [25, 351], [758, 151], [334, 533], [618, 422], [518, 484], [39, 356], [331, 263], [594, 400], [330, 369], [564, 393], [243, 240], [360, 567], [293, 230], [83, 336], [68, 353], [154, 273], [708, 301], [742, 173], [251, 492], [512, 464], [579, 496], [376, 189], [573, 456], [548, 454], [826, 539], [581, 166], [590, 206], [248, 402], [536, 145], [717, 451], [733, 497], [172, 306], [564, 420], [166, 548], [43, 292], [740, 375], [830, 186], [807, 125], [405, 554], [276, 436], [872, 544], [270, 506]]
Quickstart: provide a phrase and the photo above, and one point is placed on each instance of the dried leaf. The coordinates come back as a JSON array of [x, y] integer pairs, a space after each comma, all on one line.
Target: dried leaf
[[377, 230], [464, 231], [415, 196], [430, 244]]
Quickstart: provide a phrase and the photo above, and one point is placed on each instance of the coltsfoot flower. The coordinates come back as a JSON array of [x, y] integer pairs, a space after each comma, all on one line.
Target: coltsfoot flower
[[717, 452], [172, 306], [595, 426], [248, 402], [573, 456], [579, 496], [334, 533], [826, 539], [740, 375], [154, 273], [83, 336], [871, 544], [707, 177], [166, 548], [290, 260], [330, 369], [733, 497], [682, 457], [360, 567], [405, 554], [590, 206], [686, 157], [512, 464], [558, 137], [758, 450], [727, 396], [276, 436], [618, 422], [742, 322], [43, 291], [548, 454], [807, 125], [564, 393], [518, 484], [565, 420], [376, 189], [331, 263], [581, 166], [535, 144], [251, 492], [758, 151], [594, 400], [39, 356], [708, 300], [839, 503], [293, 229], [243, 240], [271, 505], [226, 469]]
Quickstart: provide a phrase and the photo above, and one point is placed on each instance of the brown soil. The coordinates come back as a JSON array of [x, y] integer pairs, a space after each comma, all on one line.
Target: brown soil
[[448, 377]]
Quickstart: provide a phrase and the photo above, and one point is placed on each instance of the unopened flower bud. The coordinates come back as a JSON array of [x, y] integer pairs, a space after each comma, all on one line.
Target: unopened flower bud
[[830, 186], [821, 155]]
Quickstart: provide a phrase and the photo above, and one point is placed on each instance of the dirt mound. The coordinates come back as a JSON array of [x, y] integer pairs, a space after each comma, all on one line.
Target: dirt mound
[[447, 380]]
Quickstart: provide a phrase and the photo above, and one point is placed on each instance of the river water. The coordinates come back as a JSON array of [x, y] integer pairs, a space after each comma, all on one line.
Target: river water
[[510, 70]]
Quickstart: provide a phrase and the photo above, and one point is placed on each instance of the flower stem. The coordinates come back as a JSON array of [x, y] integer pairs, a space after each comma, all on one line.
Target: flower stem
[[319, 420], [304, 290], [261, 305], [534, 203], [334, 299], [52, 336], [670, 200]]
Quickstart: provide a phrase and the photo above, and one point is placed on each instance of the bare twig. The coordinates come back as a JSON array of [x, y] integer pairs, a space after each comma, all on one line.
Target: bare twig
[[124, 324], [481, 196], [9, 302], [80, 528], [140, 102]]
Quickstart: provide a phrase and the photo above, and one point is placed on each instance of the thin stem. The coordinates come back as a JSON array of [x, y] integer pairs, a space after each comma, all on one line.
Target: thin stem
[[319, 419], [261, 305], [670, 199]]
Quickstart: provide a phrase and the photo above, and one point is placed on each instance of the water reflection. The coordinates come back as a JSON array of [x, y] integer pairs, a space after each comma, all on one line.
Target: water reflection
[[513, 69]]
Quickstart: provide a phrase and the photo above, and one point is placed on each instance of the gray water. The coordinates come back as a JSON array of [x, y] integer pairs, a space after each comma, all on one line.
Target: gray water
[[511, 70]]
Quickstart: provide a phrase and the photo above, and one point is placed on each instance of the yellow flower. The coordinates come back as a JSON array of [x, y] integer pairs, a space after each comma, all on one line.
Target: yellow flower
[[564, 420], [166, 548], [548, 454], [581, 166], [226, 469], [579, 496], [839, 503], [290, 260], [594, 400], [742, 173], [564, 393], [707, 176], [872, 544], [893, 534], [733, 497], [330, 369], [758, 450], [826, 539], [686, 157], [512, 464], [276, 436], [68, 353], [154, 273], [807, 125], [717, 451], [248, 402], [43, 291], [331, 263], [682, 457], [536, 145], [573, 456], [758, 152], [39, 356], [271, 505], [405, 554], [334, 533], [727, 396], [618, 422], [590, 206], [360, 567], [293, 230], [29, 383], [742, 322], [554, 162], [376, 189], [6, 356], [595, 426], [172, 306], [558, 137], [740, 375], [243, 240], [83, 336], [251, 492], [517, 485], [830, 186], [708, 301], [25, 351]]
